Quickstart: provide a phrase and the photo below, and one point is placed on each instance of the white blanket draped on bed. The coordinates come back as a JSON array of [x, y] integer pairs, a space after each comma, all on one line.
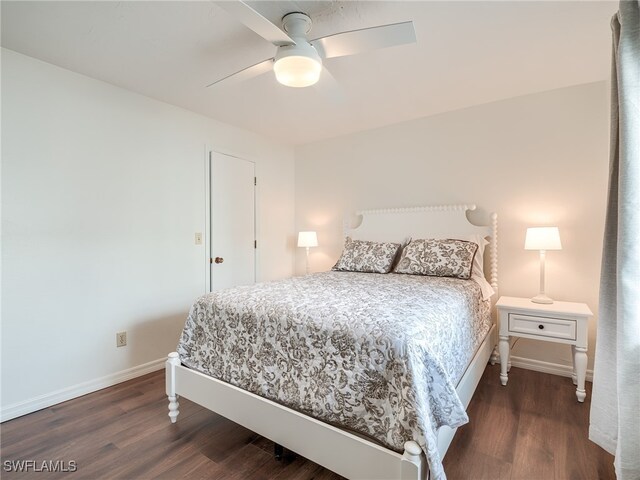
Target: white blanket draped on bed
[[377, 354]]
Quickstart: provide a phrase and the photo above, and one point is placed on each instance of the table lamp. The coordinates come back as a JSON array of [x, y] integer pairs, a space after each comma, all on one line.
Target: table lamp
[[542, 239], [307, 239]]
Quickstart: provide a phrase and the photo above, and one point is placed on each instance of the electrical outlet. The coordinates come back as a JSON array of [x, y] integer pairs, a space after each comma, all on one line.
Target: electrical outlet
[[198, 238], [121, 339]]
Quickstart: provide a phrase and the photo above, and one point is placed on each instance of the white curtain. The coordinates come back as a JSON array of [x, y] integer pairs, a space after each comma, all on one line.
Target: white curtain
[[615, 406]]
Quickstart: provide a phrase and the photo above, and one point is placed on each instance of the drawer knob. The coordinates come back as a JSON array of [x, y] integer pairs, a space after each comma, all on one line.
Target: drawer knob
[[541, 327]]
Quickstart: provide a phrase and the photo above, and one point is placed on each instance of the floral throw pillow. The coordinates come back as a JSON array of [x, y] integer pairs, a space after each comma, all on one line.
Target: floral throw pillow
[[370, 257], [441, 258]]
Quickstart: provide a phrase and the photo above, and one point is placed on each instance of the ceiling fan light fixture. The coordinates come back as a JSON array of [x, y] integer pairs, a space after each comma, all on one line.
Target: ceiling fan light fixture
[[297, 71], [297, 65]]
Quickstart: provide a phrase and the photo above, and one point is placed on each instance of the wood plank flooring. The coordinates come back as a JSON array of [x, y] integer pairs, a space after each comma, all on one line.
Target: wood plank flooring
[[532, 429]]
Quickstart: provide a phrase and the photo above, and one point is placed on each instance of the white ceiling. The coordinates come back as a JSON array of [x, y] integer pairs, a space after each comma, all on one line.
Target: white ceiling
[[467, 53]]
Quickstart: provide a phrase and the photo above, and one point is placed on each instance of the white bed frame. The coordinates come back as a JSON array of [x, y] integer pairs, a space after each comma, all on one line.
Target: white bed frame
[[340, 451]]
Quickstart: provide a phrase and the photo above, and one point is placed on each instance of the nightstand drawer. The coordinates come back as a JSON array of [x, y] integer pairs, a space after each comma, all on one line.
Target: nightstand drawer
[[542, 326]]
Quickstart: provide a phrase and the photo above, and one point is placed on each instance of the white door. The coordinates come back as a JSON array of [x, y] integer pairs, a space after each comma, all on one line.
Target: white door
[[232, 196]]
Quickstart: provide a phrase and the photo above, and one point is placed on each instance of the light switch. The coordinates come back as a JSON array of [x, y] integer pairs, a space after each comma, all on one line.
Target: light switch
[[198, 238]]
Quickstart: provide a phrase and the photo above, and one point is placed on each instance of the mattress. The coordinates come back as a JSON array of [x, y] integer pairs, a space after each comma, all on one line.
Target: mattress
[[378, 354]]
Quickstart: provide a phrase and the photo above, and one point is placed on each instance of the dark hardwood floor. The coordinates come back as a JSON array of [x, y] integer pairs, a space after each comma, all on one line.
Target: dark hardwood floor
[[532, 429]]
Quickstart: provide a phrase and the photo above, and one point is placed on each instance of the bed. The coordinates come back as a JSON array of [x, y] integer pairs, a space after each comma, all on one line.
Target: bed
[[347, 368]]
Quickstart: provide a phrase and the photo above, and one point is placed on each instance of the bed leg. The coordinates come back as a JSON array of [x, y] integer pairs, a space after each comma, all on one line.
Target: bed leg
[[278, 451], [414, 464], [173, 361]]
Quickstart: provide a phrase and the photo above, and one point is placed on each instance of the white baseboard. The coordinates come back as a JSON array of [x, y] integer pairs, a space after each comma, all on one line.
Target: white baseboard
[[540, 366], [48, 399]]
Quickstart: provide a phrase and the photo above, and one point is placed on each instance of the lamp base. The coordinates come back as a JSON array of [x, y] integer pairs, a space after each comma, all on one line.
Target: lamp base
[[542, 298]]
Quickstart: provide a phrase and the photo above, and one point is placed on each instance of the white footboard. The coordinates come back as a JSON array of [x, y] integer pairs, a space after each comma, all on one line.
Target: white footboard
[[339, 451]]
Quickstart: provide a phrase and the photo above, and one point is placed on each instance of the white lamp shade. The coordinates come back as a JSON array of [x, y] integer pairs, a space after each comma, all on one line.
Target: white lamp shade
[[307, 239], [542, 238], [297, 71]]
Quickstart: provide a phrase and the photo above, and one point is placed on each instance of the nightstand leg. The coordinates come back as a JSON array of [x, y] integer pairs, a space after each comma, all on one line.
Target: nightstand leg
[[581, 372], [503, 345], [573, 360]]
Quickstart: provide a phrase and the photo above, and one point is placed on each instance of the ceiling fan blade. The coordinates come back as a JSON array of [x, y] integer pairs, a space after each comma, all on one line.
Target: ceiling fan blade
[[256, 22], [329, 87], [246, 73], [358, 41]]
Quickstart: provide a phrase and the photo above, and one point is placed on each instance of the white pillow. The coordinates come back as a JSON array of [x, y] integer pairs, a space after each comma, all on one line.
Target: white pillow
[[478, 260], [477, 273]]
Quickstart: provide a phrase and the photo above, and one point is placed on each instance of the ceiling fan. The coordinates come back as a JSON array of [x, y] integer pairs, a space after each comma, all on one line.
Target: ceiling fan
[[298, 61]]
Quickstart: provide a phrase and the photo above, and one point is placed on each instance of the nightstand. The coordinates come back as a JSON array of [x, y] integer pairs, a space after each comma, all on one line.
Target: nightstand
[[559, 322]]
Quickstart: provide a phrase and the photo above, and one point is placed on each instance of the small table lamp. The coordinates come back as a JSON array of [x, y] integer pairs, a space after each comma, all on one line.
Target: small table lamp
[[307, 239], [543, 239]]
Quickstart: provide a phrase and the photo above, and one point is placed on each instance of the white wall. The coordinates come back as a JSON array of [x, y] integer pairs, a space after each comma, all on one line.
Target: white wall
[[535, 160], [102, 192]]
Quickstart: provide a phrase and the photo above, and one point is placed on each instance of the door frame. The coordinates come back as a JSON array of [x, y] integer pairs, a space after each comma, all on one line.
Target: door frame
[[208, 158]]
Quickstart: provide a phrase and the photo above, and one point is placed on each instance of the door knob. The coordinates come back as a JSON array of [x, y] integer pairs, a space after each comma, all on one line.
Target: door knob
[[219, 260]]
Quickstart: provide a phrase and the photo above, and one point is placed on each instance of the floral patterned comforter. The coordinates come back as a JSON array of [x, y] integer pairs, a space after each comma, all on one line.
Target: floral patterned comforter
[[379, 354]]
